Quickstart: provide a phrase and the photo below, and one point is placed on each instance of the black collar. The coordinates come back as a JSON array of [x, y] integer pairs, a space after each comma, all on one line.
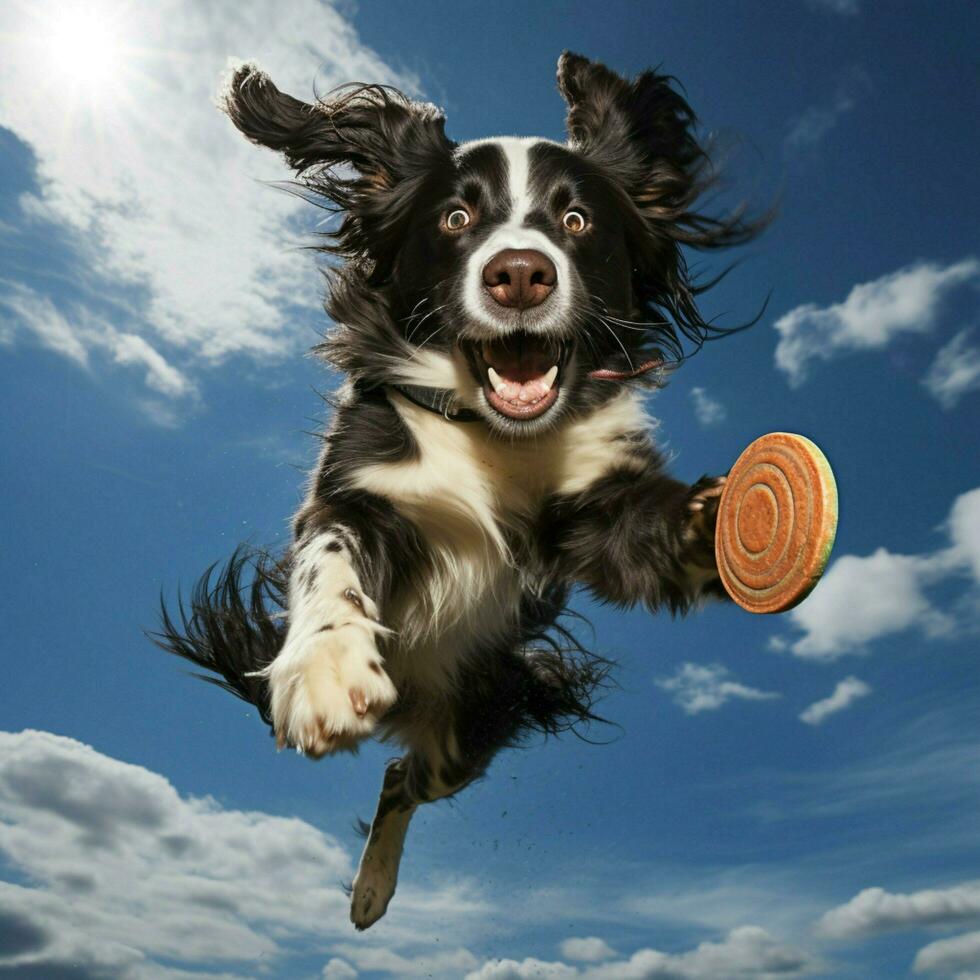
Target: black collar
[[437, 400]]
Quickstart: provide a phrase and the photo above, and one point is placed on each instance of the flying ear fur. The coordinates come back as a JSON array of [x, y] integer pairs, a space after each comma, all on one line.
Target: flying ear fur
[[643, 129], [361, 125], [365, 148]]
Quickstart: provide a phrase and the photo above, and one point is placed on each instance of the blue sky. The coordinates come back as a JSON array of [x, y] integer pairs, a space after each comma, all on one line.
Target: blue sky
[[783, 796]]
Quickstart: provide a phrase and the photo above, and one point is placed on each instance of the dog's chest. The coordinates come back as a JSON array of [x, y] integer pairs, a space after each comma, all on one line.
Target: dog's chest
[[474, 499]]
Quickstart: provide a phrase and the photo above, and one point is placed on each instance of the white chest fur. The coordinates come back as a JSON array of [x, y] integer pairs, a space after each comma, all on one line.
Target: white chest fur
[[469, 492]]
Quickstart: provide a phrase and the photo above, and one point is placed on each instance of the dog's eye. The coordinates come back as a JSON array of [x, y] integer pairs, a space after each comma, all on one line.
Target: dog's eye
[[574, 221], [457, 220]]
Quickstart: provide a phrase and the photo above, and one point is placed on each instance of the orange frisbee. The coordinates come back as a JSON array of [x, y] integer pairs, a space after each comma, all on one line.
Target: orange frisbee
[[777, 520]]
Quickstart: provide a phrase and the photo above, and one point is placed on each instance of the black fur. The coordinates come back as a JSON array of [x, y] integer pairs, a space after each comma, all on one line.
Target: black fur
[[234, 624]]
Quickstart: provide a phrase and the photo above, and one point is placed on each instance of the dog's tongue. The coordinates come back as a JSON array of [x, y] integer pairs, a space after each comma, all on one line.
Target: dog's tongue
[[521, 371]]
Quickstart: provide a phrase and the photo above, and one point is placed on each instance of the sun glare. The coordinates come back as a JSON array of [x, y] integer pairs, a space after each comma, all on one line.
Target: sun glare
[[84, 47]]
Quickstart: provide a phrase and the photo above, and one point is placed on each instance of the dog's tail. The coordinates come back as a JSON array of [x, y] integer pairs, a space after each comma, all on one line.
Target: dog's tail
[[233, 626]]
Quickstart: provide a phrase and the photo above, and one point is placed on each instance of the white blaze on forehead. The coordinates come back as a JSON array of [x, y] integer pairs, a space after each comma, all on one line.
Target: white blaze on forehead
[[512, 233], [517, 154]]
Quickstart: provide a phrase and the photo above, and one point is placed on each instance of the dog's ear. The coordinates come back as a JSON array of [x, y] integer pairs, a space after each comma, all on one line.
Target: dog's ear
[[368, 127], [641, 134], [642, 129], [366, 148]]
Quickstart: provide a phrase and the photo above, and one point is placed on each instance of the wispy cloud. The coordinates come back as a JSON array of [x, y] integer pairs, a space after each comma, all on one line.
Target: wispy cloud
[[844, 695], [706, 687], [955, 371], [708, 410], [861, 599], [150, 185], [846, 7], [27, 310], [873, 314], [812, 126], [80, 334]]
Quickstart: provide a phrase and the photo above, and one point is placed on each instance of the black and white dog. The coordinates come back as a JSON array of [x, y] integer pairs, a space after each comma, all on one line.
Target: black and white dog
[[500, 307]]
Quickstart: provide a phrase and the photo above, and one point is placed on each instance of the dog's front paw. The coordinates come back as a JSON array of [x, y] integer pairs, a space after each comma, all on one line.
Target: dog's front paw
[[700, 518], [329, 689]]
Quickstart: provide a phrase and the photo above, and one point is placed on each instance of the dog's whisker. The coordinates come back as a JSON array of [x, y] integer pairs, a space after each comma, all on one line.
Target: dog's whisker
[[418, 325]]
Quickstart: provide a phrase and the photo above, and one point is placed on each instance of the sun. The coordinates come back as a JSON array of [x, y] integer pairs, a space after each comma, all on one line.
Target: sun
[[85, 54], [87, 50]]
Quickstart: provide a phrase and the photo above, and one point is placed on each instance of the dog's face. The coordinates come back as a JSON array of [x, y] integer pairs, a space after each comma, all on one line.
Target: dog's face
[[515, 254], [531, 278]]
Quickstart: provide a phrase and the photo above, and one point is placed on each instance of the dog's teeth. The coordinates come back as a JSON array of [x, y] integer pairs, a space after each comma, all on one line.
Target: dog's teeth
[[497, 381], [549, 378]]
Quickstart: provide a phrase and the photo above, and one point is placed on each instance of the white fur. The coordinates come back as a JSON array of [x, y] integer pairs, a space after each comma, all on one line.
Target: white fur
[[518, 176], [321, 672], [463, 492], [435, 369]]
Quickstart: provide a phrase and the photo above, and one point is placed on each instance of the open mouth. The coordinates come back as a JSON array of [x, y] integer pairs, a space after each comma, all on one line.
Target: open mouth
[[521, 375]]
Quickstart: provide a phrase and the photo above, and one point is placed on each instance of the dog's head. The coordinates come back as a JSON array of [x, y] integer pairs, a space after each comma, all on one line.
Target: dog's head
[[529, 278]]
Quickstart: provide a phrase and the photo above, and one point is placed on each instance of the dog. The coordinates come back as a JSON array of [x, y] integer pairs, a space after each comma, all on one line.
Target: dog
[[500, 308]]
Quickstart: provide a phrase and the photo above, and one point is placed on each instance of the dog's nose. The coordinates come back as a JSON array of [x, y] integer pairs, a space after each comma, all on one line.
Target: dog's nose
[[520, 277]]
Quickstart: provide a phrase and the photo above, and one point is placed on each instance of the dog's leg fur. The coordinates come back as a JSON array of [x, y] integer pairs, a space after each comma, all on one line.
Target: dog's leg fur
[[328, 686], [638, 536], [377, 873]]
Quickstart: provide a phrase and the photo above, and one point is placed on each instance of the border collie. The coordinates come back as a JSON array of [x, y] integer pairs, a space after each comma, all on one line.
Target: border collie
[[499, 309]]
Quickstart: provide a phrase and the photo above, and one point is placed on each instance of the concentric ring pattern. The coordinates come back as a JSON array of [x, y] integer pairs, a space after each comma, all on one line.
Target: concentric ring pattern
[[777, 520]]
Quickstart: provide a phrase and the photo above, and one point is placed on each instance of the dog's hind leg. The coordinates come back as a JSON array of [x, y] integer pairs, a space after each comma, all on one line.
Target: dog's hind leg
[[408, 782], [377, 873], [500, 698]]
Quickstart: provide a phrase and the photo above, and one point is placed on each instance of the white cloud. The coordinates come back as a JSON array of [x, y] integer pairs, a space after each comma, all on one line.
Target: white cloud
[[127, 348], [26, 309], [964, 531], [450, 962], [123, 873], [589, 949], [154, 189], [81, 333], [844, 694], [705, 687], [863, 599], [860, 599], [955, 371], [338, 969], [707, 409], [875, 910], [872, 315], [947, 956], [746, 953], [523, 970], [809, 128]]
